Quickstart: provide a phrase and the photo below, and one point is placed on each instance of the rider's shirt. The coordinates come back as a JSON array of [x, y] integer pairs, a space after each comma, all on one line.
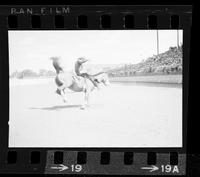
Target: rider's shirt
[[77, 68]]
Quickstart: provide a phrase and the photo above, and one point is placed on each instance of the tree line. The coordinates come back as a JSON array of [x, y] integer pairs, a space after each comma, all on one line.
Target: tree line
[[30, 73]]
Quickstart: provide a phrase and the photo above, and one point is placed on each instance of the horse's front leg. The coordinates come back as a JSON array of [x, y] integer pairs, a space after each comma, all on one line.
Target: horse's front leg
[[86, 99], [87, 95]]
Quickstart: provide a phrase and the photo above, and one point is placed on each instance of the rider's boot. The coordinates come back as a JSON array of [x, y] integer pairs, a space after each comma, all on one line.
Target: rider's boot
[[96, 84]]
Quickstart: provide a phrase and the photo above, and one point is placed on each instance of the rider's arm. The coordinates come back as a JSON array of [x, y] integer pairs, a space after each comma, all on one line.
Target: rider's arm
[[85, 61]]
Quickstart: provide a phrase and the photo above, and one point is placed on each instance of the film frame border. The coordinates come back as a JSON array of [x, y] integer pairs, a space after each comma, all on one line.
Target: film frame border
[[97, 17]]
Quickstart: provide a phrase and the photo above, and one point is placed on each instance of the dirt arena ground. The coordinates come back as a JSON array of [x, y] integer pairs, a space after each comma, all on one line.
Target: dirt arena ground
[[122, 115]]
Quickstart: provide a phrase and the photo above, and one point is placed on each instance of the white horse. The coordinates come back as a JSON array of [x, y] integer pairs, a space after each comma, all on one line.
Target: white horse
[[76, 83]]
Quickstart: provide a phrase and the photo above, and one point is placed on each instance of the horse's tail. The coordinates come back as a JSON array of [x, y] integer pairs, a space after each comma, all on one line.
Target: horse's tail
[[56, 64]]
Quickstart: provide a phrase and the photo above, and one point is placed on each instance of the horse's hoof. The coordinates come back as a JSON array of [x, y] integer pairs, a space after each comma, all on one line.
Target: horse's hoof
[[65, 101], [82, 107]]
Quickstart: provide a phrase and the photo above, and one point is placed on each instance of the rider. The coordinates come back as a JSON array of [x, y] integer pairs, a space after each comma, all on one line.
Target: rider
[[59, 68], [78, 66]]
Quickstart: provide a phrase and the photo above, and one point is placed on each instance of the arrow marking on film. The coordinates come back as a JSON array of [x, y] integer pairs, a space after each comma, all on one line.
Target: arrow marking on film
[[61, 167], [152, 168]]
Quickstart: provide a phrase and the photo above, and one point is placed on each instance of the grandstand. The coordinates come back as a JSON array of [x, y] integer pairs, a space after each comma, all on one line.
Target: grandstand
[[169, 62]]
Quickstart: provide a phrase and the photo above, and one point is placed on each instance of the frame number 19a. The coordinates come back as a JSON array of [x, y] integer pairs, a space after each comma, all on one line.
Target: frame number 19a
[[169, 169]]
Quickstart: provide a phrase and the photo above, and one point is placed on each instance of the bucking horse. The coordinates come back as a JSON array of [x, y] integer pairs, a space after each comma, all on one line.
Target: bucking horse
[[69, 80]]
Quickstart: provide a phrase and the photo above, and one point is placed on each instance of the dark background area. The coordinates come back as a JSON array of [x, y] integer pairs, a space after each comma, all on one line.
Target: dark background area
[[193, 145]]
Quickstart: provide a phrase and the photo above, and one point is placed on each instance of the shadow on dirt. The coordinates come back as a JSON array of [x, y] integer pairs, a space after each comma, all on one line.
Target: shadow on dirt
[[53, 108]]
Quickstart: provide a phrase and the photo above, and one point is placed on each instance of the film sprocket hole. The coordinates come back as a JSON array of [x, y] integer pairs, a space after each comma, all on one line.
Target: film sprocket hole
[[95, 90]]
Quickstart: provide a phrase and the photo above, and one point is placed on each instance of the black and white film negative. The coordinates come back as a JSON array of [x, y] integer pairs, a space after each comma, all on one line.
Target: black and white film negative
[[94, 90]]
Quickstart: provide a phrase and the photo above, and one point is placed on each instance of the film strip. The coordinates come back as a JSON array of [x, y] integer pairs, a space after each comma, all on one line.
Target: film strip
[[95, 162], [92, 161]]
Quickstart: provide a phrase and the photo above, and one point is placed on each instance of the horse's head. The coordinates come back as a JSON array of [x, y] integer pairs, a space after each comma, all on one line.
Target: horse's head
[[103, 78], [106, 80]]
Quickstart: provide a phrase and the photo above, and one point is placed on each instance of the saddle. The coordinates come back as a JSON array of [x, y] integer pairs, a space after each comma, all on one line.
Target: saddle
[[77, 77], [91, 78]]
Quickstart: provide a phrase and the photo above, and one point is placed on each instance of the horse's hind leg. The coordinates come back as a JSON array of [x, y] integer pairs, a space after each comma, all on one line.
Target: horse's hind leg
[[62, 87], [63, 95]]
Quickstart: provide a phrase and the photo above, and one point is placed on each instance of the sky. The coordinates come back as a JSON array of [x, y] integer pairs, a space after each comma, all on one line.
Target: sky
[[32, 49]]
